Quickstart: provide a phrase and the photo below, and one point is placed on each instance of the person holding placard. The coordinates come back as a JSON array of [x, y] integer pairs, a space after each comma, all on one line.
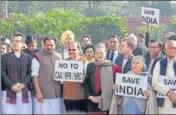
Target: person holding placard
[[73, 92], [98, 82], [134, 105], [48, 93], [166, 67]]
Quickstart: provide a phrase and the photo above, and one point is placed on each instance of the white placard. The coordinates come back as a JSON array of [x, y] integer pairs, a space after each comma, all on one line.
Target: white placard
[[168, 82], [66, 70], [131, 85], [150, 16]]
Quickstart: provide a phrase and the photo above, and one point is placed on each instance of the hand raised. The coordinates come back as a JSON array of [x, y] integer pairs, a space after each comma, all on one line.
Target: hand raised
[[148, 28]]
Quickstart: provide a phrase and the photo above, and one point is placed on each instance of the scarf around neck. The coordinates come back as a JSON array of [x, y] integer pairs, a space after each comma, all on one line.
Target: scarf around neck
[[106, 75], [13, 75]]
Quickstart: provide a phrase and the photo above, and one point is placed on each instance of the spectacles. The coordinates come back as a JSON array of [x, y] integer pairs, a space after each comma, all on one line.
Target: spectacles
[[71, 49]]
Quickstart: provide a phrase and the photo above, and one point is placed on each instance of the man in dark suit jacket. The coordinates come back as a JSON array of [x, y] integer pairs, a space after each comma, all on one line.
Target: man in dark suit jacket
[[124, 60], [113, 52]]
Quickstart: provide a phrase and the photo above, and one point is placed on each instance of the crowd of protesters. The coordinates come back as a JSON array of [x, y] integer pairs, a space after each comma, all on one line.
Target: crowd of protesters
[[27, 73]]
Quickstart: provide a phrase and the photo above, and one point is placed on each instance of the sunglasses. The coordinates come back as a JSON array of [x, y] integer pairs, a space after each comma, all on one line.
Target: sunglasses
[[71, 49]]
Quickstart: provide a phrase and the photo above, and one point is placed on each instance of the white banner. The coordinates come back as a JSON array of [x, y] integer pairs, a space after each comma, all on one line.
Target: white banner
[[66, 70], [131, 85], [150, 16], [168, 82]]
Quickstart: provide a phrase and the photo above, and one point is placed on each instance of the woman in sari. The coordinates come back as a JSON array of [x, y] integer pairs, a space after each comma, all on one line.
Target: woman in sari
[[133, 105]]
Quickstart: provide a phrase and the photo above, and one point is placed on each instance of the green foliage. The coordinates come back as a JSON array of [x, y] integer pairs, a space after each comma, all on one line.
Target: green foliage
[[156, 32], [165, 7], [172, 26], [6, 28], [94, 8], [94, 12], [56, 21], [102, 27]]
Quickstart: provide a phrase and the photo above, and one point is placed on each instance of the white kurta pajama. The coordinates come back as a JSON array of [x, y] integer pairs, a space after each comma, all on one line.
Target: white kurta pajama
[[49, 106], [19, 107], [167, 107]]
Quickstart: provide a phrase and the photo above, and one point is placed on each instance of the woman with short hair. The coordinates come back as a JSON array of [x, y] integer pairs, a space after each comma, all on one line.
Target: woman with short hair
[[31, 43], [100, 76], [133, 105], [73, 92], [89, 53]]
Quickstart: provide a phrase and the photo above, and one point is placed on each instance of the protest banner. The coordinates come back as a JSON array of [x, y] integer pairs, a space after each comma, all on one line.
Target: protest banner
[[169, 82], [66, 70], [150, 16], [131, 85]]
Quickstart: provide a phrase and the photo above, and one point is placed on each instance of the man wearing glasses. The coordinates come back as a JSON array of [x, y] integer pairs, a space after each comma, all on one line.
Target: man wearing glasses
[[16, 76]]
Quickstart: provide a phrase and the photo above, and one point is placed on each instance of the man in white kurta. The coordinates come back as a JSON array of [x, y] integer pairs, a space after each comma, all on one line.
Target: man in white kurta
[[167, 108], [16, 77], [47, 99]]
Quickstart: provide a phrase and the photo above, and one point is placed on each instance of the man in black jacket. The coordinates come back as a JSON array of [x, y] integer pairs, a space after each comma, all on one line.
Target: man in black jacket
[[16, 76]]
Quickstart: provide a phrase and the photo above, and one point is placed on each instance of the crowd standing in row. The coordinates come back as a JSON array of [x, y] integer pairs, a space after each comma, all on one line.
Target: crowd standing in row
[[27, 74]]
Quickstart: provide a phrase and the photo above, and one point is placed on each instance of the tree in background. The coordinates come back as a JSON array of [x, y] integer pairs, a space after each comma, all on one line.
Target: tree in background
[[56, 21], [166, 8], [94, 8]]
